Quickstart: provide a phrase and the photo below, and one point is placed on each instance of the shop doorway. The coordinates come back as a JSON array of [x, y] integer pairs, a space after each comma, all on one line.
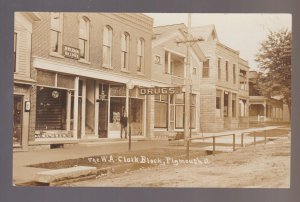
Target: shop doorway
[[136, 117], [116, 105], [103, 119], [18, 123]]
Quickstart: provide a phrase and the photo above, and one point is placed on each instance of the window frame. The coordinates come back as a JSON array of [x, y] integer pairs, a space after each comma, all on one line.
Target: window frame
[[125, 51], [205, 69], [16, 51], [107, 45], [86, 39], [59, 34], [227, 70], [140, 55]]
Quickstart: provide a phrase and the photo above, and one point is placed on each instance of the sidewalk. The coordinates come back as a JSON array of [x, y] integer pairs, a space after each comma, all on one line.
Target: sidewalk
[[22, 173]]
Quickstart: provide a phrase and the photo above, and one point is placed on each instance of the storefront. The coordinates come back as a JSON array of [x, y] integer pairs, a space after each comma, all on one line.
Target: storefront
[[21, 114], [71, 107]]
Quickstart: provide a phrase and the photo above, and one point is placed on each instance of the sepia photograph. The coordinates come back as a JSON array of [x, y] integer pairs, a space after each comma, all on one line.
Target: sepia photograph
[[185, 100]]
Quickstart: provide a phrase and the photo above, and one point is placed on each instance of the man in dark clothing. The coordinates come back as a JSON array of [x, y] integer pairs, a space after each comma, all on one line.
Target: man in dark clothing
[[123, 122]]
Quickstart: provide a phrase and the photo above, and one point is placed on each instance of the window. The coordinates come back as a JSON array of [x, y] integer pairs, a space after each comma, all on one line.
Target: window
[[15, 51], [140, 54], [55, 32], [219, 68], [179, 111], [193, 67], [161, 111], [84, 38], [124, 50], [205, 73], [107, 46], [226, 64], [218, 103], [234, 73], [226, 103]]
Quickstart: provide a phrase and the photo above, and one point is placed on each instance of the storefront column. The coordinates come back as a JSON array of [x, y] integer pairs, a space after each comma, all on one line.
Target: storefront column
[[222, 103], [83, 107], [265, 109], [96, 108], [230, 104], [75, 119], [69, 98]]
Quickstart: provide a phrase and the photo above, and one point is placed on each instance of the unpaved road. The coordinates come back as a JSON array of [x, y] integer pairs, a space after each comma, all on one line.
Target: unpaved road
[[260, 166]]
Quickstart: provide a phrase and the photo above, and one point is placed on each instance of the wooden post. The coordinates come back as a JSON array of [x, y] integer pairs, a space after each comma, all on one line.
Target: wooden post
[[214, 145], [188, 149], [265, 136], [242, 140], [233, 143]]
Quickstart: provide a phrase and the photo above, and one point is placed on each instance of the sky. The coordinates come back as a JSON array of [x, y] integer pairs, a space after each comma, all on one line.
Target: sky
[[241, 32]]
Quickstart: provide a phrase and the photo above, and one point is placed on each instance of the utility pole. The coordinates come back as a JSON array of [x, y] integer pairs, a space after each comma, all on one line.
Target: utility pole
[[187, 82]]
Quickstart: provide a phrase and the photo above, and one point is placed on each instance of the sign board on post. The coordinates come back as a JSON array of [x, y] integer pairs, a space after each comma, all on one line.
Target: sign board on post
[[70, 52], [160, 90]]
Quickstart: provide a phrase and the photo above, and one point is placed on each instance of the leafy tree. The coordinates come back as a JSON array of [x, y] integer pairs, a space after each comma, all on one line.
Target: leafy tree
[[274, 63]]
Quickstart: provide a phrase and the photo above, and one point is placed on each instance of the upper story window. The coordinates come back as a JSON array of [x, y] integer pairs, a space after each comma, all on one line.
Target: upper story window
[[124, 50], [56, 32], [205, 72], [107, 46], [84, 33], [219, 68], [234, 73], [140, 54], [15, 51], [226, 66]]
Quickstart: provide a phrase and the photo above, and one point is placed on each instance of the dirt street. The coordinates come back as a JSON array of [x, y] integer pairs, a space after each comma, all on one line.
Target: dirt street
[[260, 166]]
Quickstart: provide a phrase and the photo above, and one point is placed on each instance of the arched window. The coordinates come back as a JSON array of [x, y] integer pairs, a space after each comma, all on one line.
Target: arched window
[[140, 54], [56, 32], [124, 50], [84, 32], [107, 46]]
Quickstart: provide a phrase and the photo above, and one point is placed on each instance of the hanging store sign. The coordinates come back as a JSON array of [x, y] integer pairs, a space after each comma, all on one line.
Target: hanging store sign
[[70, 52], [160, 90]]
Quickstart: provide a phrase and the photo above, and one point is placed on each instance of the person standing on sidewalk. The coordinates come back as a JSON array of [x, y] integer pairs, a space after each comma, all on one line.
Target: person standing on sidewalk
[[123, 121]]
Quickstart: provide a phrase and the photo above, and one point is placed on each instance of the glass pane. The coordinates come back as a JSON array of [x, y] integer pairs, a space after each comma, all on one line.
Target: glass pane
[[179, 116], [164, 98], [54, 40], [55, 21], [136, 116], [117, 90], [179, 98], [83, 28], [82, 48], [45, 78], [18, 116], [161, 115], [65, 81], [193, 117]]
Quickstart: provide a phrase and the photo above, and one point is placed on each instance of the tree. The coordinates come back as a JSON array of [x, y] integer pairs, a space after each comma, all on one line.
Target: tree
[[274, 63]]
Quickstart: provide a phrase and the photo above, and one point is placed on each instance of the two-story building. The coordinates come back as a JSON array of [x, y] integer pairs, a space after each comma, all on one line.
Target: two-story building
[[263, 109], [223, 100], [23, 82], [177, 61], [86, 68]]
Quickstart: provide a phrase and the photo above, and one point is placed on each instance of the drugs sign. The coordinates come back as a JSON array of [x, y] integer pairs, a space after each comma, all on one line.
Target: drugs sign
[[160, 90]]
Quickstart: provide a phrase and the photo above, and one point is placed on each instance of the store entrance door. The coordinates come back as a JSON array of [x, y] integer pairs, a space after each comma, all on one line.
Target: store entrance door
[[18, 117], [103, 119]]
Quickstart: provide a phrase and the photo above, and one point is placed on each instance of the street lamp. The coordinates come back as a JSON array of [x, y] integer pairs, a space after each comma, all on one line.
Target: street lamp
[[129, 85]]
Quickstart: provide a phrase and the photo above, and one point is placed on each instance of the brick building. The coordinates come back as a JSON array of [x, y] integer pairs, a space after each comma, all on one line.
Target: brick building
[[224, 95], [82, 70]]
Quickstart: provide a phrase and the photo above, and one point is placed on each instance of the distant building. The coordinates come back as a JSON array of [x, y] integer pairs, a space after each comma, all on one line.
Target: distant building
[[263, 109], [224, 93], [170, 68]]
